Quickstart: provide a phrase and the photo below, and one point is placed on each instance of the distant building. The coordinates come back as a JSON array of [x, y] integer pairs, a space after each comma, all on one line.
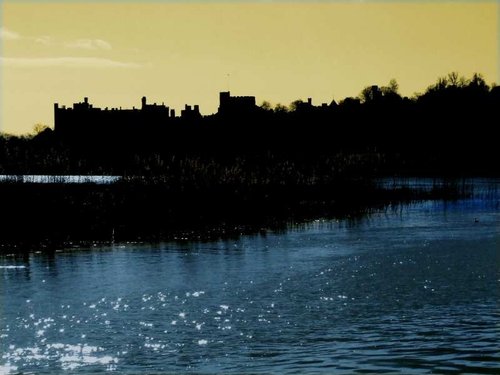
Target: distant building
[[236, 105], [191, 113], [84, 116], [85, 119], [304, 107]]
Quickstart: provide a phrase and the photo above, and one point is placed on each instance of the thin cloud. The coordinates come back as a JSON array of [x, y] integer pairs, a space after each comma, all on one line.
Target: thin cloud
[[48, 41], [6, 34], [90, 44], [45, 40], [66, 62]]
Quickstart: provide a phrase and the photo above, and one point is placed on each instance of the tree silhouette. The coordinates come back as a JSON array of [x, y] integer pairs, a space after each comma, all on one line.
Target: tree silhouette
[[39, 128]]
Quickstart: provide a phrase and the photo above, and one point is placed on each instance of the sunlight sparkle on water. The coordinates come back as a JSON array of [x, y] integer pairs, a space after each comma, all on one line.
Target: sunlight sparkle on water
[[402, 292]]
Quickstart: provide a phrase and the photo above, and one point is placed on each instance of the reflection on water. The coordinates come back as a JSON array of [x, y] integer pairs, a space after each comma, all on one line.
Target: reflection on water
[[59, 179], [413, 290]]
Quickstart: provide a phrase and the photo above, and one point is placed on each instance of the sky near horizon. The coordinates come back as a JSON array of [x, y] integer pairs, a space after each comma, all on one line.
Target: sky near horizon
[[185, 52]]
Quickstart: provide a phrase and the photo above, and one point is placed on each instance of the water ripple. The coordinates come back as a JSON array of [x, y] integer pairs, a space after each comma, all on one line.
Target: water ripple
[[412, 294]]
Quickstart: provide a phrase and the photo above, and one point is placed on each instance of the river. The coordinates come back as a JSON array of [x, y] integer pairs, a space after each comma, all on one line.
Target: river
[[410, 289]]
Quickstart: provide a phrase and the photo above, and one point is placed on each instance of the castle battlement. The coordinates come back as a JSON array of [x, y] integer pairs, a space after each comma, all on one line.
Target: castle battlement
[[84, 117], [229, 105]]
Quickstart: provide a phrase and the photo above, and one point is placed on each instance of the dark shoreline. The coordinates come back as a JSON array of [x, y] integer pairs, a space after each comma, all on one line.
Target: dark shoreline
[[41, 217], [246, 166]]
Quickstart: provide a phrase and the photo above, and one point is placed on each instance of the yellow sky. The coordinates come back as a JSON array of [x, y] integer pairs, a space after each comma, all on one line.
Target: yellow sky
[[115, 53]]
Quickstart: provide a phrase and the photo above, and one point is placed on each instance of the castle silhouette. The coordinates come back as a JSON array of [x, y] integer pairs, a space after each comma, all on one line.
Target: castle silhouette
[[84, 115]]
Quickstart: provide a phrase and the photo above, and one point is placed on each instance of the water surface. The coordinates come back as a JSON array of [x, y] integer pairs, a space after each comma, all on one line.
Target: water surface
[[413, 289]]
